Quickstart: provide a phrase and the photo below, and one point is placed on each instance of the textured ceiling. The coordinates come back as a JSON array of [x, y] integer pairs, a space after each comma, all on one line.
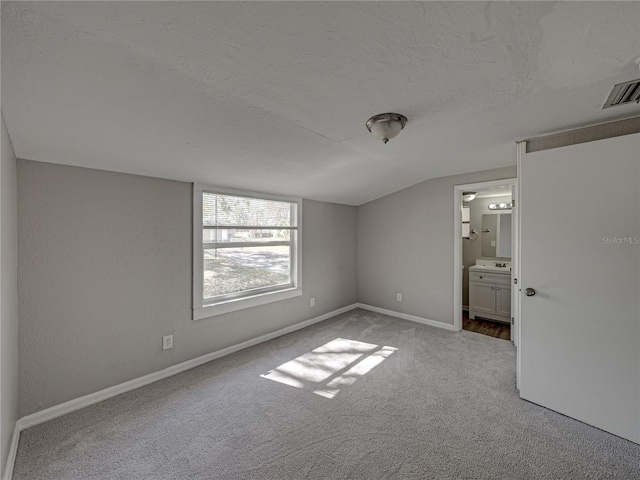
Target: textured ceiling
[[273, 97]]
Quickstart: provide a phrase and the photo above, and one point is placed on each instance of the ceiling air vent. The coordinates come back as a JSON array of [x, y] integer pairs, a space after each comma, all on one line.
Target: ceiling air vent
[[624, 93]]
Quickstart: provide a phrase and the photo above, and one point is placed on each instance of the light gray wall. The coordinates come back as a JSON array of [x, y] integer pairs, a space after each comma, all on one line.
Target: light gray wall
[[105, 272], [472, 249], [405, 244], [8, 297]]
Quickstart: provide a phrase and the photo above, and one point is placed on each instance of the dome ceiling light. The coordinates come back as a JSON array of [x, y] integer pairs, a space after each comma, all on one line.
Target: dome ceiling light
[[468, 196], [386, 126]]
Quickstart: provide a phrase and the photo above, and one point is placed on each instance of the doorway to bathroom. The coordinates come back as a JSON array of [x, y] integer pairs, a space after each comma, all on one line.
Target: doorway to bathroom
[[485, 264]]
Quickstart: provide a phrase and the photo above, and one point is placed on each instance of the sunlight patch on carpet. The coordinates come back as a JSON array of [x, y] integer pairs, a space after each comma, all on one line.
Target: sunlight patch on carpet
[[330, 367]]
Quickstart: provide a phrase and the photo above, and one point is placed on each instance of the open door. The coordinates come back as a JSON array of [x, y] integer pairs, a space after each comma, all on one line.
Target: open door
[[579, 282]]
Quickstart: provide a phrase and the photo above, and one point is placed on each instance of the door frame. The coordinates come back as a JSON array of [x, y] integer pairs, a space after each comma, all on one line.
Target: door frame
[[457, 250], [521, 149]]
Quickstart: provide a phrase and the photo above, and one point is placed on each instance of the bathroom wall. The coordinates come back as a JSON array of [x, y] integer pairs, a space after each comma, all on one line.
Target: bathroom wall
[[472, 249]]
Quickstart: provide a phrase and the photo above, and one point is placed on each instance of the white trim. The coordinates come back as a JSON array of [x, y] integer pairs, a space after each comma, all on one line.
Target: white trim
[[457, 240], [208, 311], [13, 450], [521, 151], [457, 258], [96, 397], [406, 316], [246, 193], [515, 265], [197, 255]]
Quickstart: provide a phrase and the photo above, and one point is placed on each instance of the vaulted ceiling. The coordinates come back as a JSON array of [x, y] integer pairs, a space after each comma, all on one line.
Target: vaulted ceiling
[[274, 97]]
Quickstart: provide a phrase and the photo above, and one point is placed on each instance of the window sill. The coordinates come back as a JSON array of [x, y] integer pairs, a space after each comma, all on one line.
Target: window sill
[[242, 303]]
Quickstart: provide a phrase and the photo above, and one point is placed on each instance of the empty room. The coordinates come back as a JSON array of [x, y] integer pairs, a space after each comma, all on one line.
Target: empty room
[[320, 240]]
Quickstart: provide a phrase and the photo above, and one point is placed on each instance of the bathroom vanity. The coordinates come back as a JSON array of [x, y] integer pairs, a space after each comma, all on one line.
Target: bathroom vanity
[[490, 291]]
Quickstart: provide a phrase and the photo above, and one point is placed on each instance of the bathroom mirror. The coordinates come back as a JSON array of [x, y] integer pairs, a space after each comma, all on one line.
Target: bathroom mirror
[[496, 235]]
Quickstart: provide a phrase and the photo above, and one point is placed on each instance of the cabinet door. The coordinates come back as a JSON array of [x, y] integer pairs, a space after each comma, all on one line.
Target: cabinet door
[[503, 300], [482, 297]]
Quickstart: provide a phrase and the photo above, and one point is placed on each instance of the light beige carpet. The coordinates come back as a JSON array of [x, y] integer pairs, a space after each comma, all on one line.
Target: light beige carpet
[[360, 396]]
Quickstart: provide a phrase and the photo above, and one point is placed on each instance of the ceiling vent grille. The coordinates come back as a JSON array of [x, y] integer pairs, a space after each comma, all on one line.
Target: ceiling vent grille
[[623, 94]]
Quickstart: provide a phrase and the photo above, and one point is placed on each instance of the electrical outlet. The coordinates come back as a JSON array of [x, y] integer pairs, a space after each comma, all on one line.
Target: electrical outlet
[[167, 342], [398, 297], [312, 302]]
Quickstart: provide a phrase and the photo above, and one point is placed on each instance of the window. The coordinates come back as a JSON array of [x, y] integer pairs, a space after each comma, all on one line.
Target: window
[[466, 225], [246, 250]]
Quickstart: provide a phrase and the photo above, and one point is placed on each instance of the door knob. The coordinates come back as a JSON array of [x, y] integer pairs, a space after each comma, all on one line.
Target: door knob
[[529, 292]]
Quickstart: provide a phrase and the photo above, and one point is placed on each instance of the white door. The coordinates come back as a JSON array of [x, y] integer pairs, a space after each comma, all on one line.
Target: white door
[[580, 332]]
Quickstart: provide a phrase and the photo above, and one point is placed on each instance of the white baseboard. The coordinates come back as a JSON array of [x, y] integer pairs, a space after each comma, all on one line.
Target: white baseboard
[[13, 450], [93, 398], [411, 318]]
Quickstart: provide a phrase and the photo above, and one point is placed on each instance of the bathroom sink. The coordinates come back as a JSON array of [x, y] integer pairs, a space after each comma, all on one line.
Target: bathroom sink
[[491, 268]]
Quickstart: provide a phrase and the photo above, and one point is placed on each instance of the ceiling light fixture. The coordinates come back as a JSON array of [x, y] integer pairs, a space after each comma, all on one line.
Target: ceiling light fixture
[[468, 196], [386, 126], [500, 206]]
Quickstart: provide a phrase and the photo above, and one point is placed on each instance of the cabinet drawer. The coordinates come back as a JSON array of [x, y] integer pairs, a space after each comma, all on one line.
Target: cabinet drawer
[[498, 278]]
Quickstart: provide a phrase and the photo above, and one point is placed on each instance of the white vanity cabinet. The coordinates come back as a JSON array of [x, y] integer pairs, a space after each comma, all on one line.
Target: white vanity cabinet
[[490, 294]]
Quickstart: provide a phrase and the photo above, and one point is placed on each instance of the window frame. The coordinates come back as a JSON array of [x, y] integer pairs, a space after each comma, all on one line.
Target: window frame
[[232, 303]]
